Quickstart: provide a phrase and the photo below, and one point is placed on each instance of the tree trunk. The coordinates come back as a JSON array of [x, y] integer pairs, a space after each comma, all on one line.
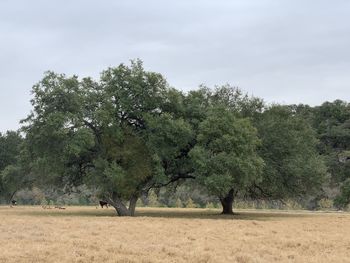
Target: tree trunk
[[132, 205], [226, 203], [121, 208], [9, 200]]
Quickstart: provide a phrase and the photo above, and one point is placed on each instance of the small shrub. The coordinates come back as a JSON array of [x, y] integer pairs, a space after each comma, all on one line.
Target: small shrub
[[292, 205], [210, 205], [190, 203], [325, 204], [178, 203], [153, 199]]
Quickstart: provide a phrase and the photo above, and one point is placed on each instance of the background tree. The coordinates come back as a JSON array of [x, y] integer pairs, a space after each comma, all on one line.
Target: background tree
[[10, 147], [331, 121], [14, 173], [293, 166], [225, 157]]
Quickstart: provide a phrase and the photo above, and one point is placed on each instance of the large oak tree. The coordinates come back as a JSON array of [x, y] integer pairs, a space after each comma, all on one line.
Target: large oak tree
[[119, 134]]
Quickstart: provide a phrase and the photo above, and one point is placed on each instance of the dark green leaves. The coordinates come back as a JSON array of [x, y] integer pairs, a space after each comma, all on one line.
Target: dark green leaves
[[225, 156], [293, 165]]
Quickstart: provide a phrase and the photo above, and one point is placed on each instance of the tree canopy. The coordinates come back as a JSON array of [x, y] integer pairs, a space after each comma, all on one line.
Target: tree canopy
[[120, 135], [129, 132], [225, 156], [293, 166], [14, 172]]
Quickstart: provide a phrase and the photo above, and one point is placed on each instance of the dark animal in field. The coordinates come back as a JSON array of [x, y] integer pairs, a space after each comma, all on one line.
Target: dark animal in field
[[13, 203], [103, 203]]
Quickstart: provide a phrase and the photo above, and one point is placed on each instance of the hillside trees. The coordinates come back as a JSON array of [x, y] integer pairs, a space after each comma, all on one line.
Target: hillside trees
[[331, 121], [293, 166], [14, 172]]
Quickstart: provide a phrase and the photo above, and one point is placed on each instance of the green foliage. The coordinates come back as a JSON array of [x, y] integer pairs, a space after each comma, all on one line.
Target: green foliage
[[14, 166], [331, 120], [131, 165], [293, 165], [225, 155], [343, 199], [130, 132], [237, 101], [10, 178], [102, 133], [10, 147]]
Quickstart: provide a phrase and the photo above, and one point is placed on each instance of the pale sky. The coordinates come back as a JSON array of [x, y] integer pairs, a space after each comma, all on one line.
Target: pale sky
[[286, 51]]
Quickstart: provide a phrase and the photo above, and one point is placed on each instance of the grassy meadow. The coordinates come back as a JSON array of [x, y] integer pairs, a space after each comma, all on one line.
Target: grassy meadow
[[87, 234]]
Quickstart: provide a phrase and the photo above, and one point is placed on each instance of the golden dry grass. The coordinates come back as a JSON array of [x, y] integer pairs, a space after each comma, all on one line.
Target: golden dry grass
[[87, 234]]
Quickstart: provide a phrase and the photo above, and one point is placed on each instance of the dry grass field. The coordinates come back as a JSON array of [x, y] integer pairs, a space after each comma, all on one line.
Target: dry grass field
[[87, 234]]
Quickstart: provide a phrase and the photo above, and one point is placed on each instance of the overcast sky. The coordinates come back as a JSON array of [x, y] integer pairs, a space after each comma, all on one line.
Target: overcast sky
[[287, 51]]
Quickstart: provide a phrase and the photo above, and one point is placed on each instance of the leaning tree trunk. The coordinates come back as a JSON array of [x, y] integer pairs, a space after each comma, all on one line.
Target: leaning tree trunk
[[10, 197], [227, 203], [121, 208]]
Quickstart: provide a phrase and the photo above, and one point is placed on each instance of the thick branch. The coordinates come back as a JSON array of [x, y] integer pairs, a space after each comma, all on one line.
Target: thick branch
[[172, 180]]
